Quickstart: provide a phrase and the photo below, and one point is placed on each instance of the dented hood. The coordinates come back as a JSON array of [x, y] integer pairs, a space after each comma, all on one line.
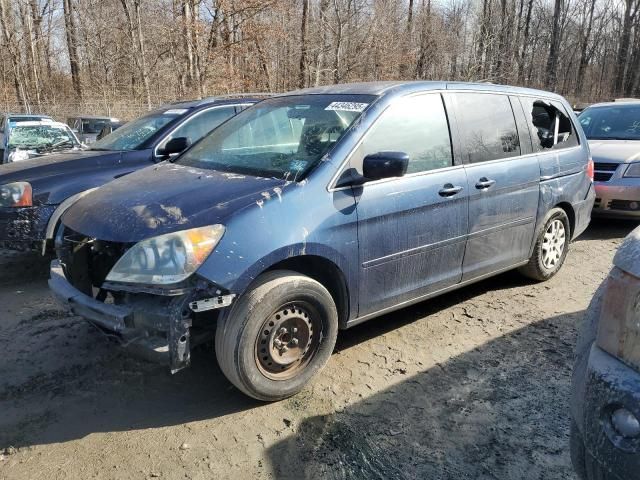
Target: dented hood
[[163, 199]]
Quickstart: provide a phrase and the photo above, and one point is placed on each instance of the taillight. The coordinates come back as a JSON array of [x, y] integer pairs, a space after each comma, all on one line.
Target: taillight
[[590, 168]]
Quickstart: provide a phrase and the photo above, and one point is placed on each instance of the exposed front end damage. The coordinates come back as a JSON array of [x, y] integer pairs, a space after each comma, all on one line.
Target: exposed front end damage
[[161, 324]]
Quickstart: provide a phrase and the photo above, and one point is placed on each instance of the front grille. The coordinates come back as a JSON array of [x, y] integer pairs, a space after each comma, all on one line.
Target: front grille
[[604, 171], [628, 205], [602, 176], [87, 261]]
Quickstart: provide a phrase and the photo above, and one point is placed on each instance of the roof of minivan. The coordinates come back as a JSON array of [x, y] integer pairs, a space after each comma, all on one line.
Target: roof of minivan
[[380, 88]]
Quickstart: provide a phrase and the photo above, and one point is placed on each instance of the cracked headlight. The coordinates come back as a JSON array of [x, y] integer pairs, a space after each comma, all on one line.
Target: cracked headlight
[[166, 259], [17, 194]]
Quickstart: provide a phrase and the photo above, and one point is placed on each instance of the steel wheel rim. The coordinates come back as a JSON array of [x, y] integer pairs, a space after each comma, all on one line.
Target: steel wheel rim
[[287, 341], [553, 244]]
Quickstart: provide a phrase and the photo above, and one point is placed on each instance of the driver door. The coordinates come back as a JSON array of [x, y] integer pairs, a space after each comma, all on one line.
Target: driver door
[[411, 229]]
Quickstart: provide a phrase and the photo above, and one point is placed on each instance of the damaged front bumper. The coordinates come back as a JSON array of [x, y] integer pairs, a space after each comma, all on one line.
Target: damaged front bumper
[[155, 327]]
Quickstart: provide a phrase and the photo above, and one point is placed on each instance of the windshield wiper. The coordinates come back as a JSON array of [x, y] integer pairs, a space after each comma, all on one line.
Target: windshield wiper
[[54, 146]]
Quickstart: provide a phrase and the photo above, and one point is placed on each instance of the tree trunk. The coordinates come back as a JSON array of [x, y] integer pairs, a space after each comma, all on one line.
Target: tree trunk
[[320, 63], [551, 74], [631, 8], [525, 43], [584, 45], [72, 46], [405, 66], [302, 76], [137, 41]]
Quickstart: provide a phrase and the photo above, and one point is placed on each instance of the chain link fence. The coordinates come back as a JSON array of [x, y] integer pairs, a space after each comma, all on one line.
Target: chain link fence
[[124, 109]]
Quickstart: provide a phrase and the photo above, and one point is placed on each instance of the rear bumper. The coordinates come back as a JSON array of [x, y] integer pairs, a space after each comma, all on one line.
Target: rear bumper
[[604, 385], [24, 228], [619, 197], [140, 330]]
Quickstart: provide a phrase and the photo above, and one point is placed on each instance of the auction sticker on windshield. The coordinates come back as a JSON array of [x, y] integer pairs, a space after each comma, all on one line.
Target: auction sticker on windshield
[[347, 106]]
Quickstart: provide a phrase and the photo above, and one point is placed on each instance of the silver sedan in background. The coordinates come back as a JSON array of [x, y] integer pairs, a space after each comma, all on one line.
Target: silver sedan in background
[[613, 130]]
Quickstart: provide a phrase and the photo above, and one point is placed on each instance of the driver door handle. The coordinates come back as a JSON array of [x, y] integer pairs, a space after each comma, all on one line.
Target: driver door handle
[[485, 183], [449, 190]]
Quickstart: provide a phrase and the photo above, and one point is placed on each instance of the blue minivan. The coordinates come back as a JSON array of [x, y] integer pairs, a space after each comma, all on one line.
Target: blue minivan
[[318, 209]]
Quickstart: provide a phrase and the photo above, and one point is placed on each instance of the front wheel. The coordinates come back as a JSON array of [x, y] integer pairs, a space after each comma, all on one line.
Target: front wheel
[[277, 336], [551, 247]]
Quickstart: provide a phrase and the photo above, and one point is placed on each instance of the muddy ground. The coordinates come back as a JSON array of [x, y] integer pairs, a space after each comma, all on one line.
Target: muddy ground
[[473, 384]]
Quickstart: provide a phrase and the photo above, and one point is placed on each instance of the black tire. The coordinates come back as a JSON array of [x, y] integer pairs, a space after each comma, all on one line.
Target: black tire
[[536, 268], [247, 337]]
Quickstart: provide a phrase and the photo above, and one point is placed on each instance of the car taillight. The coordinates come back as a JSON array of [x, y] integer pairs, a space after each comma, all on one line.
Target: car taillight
[[590, 168]]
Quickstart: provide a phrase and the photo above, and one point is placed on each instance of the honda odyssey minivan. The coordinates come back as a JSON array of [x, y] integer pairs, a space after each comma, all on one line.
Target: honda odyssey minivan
[[316, 210]]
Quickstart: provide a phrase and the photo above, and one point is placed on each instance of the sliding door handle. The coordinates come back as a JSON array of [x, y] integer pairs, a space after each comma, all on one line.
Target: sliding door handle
[[449, 190], [485, 183]]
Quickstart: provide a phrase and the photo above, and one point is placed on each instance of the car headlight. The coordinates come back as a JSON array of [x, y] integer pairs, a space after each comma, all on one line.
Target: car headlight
[[633, 171], [619, 325], [17, 194], [166, 259]]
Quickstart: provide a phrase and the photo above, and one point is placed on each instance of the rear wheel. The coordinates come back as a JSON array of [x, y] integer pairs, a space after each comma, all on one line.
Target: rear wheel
[[277, 336], [551, 247]]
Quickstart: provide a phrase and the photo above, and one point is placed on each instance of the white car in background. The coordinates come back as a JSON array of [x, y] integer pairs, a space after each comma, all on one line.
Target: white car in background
[[30, 139]]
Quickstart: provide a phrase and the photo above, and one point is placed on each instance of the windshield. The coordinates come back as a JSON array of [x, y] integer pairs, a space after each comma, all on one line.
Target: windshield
[[611, 123], [41, 136], [281, 137], [132, 135]]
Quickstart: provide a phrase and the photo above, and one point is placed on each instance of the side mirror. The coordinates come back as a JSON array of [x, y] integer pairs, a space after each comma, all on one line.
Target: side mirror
[[174, 146], [385, 165]]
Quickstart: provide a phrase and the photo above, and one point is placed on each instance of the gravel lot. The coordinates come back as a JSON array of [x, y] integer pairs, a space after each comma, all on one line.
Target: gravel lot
[[473, 384]]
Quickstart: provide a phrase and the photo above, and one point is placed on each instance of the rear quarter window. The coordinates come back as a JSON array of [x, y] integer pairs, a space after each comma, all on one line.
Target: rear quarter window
[[550, 125]]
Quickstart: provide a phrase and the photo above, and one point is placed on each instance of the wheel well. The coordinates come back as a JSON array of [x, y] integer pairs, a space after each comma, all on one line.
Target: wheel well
[[327, 273], [568, 209]]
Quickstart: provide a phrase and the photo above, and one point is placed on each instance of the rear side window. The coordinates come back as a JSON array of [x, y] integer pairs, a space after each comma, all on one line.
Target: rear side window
[[550, 126], [201, 123], [487, 126], [416, 126]]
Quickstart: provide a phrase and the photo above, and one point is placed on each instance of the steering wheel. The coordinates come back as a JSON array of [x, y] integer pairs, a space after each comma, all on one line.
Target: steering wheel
[[313, 138]]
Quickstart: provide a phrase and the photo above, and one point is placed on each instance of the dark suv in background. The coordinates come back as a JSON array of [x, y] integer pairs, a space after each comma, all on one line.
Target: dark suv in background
[[88, 127], [34, 194]]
